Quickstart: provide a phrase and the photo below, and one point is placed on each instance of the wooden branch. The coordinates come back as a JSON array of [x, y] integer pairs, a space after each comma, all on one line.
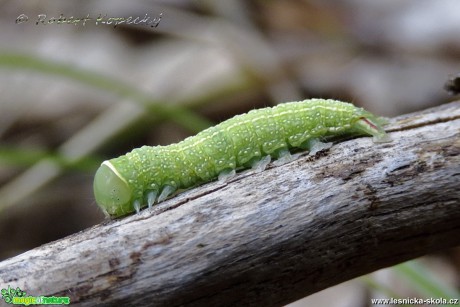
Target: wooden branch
[[269, 238]]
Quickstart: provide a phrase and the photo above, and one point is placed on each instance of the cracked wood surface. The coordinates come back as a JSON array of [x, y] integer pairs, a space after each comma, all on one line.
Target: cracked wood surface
[[273, 237]]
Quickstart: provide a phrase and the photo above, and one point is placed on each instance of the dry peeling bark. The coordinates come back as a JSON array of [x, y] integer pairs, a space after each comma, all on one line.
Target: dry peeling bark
[[269, 238]]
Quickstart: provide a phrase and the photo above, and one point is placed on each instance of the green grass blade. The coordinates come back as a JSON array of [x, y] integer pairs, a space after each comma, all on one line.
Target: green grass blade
[[424, 281], [187, 119], [27, 157]]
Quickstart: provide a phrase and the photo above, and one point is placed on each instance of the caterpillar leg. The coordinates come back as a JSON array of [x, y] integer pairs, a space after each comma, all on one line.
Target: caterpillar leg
[[167, 190], [137, 205], [315, 145], [285, 156], [260, 165], [226, 175], [151, 196]]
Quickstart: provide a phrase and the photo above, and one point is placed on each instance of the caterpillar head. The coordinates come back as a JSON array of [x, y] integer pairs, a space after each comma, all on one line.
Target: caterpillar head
[[113, 193]]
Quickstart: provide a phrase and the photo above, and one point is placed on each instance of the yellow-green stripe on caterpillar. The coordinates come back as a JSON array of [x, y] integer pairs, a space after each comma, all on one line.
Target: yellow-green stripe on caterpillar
[[150, 174]]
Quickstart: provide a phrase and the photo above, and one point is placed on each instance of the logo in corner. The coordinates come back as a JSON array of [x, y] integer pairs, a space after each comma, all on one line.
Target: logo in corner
[[9, 294], [19, 297]]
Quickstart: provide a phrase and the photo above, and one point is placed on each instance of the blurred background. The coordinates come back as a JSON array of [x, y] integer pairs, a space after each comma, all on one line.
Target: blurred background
[[74, 93]]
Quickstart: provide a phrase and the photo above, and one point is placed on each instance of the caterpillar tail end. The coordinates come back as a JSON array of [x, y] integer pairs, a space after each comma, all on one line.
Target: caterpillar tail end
[[374, 128]]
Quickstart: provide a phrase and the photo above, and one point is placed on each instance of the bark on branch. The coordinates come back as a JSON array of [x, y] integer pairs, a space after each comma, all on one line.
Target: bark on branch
[[273, 237]]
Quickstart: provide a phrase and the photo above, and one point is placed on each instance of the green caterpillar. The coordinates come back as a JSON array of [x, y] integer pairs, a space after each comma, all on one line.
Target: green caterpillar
[[150, 174]]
